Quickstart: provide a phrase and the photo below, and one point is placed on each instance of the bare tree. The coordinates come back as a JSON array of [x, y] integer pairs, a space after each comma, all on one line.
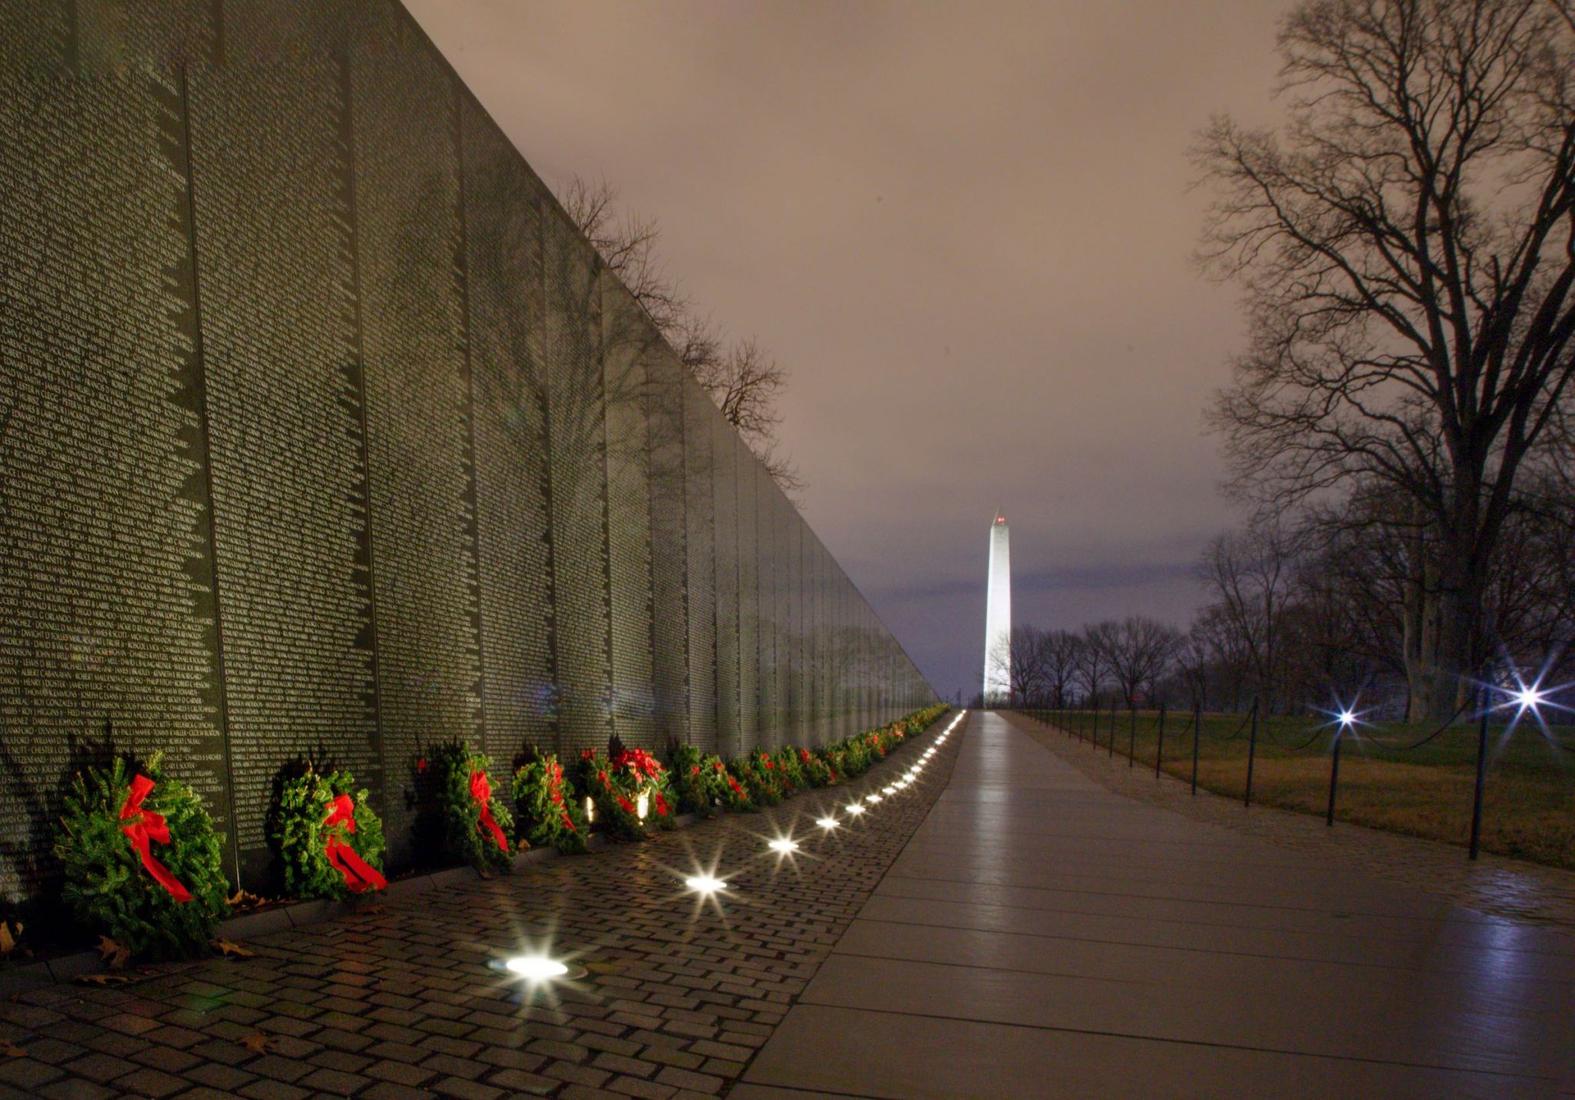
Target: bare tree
[[1090, 663], [1059, 651], [1250, 574], [744, 381], [1193, 658], [1407, 249], [627, 245], [1137, 650], [745, 384]]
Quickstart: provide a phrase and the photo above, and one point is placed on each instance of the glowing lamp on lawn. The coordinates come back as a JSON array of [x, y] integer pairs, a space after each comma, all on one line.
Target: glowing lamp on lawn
[[1528, 698], [705, 884]]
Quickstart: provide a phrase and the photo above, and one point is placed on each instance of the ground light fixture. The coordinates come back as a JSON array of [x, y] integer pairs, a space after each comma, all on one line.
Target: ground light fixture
[[827, 823], [872, 799], [783, 845], [535, 968], [855, 808], [705, 884]]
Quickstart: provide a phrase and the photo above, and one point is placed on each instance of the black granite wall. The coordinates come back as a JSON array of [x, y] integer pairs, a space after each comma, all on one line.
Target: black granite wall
[[322, 430]]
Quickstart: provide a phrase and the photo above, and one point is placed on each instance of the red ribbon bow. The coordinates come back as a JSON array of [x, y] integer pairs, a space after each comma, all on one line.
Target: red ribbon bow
[[359, 875], [143, 828], [481, 791]]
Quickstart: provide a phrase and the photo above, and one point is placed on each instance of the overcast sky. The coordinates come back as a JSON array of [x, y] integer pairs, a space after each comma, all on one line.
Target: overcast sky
[[965, 228]]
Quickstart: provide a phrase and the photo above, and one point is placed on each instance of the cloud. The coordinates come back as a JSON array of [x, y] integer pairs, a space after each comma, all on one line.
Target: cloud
[[966, 231]]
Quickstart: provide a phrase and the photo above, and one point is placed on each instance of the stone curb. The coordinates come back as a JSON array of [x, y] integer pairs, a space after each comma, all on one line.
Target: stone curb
[[303, 914]]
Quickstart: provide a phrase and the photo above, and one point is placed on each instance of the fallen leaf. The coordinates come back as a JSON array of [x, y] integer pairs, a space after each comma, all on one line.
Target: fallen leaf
[[117, 955], [104, 978], [243, 900], [231, 949], [11, 1050], [7, 940], [256, 1042]]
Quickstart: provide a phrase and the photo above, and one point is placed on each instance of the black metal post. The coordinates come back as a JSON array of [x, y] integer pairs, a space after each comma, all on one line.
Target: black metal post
[[1197, 729], [1112, 752], [1334, 772], [1132, 737], [1159, 753], [1252, 752], [1476, 798]]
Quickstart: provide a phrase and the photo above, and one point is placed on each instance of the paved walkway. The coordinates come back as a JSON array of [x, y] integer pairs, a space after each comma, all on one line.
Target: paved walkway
[[1043, 936], [1005, 928]]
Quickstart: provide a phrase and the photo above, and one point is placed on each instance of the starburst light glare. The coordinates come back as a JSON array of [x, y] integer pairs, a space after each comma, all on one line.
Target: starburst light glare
[[1528, 698], [827, 823], [783, 845], [536, 968], [705, 884]]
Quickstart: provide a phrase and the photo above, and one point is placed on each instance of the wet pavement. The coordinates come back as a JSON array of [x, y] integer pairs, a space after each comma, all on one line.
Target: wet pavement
[[1042, 935]]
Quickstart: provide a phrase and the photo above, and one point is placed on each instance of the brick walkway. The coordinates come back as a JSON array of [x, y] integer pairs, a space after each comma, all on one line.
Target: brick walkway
[[1493, 884], [399, 1001]]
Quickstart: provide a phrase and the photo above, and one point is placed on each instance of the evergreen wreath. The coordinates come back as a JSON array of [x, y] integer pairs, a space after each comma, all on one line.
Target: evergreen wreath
[[759, 780], [816, 772], [855, 756], [878, 744], [733, 793], [549, 810], [697, 786], [471, 822], [645, 776], [141, 858], [612, 794], [789, 771], [326, 834]]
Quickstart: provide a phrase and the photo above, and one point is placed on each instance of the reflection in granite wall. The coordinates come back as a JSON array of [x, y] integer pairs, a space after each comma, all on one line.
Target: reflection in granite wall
[[323, 431], [701, 575], [506, 308], [669, 647]]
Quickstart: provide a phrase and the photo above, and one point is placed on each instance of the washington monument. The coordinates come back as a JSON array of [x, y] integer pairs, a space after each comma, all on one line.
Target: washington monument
[[998, 618]]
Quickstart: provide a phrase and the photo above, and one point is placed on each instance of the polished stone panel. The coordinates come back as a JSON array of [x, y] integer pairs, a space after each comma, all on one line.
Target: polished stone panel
[[1040, 929]]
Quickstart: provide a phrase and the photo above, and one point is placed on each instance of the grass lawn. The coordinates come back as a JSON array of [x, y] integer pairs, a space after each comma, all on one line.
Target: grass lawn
[[1528, 806]]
